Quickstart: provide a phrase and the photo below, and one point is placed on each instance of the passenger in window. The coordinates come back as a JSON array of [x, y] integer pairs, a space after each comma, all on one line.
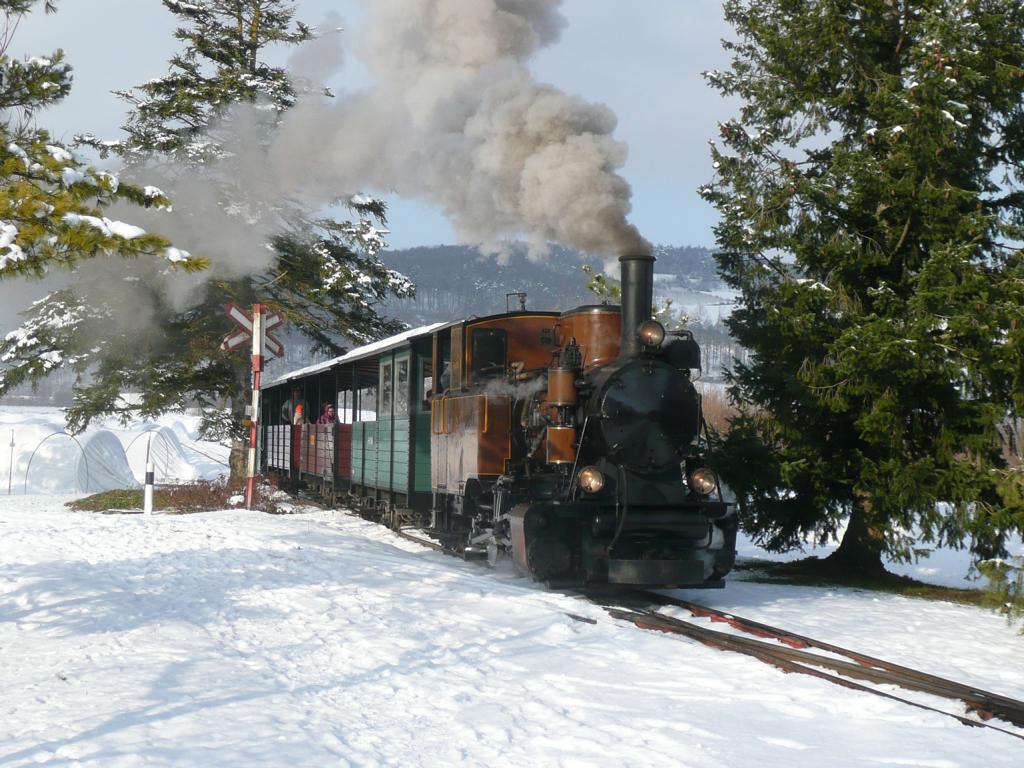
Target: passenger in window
[[326, 414], [292, 407]]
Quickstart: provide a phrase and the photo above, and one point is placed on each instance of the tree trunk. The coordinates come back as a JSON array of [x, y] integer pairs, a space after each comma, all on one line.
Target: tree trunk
[[860, 551], [240, 398], [238, 462]]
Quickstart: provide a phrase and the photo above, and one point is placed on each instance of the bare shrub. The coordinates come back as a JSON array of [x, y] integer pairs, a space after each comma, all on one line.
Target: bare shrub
[[718, 410]]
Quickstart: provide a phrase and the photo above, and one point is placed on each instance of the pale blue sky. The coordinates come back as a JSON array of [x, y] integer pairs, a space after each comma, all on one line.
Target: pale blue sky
[[642, 58]]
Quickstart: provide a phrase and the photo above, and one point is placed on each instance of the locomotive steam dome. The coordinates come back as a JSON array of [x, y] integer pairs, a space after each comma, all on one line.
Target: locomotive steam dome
[[649, 414]]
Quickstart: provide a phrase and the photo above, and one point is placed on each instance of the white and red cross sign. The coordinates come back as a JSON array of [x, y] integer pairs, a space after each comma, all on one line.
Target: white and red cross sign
[[243, 318], [255, 326]]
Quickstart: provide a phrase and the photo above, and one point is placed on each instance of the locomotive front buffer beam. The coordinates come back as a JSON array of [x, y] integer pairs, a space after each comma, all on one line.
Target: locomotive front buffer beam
[[569, 544]]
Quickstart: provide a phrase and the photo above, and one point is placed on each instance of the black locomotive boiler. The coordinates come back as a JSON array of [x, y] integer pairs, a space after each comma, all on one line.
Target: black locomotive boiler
[[572, 442]]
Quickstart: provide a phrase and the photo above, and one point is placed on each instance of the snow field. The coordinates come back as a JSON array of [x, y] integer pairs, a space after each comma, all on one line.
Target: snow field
[[235, 638]]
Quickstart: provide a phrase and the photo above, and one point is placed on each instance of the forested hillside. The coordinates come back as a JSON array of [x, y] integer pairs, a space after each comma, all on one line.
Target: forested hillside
[[455, 281]]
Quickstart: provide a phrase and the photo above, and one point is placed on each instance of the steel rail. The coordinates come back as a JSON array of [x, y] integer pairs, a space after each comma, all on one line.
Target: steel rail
[[790, 660], [985, 703], [424, 542], [769, 654]]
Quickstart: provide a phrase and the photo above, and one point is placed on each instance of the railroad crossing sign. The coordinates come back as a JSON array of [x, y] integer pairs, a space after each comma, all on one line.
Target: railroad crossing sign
[[243, 318], [254, 326]]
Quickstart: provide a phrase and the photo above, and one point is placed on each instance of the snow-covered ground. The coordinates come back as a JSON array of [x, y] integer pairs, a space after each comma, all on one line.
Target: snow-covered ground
[[44, 459], [242, 639]]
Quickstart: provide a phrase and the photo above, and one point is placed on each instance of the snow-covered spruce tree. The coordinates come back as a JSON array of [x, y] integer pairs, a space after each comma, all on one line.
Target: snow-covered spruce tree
[[184, 115], [324, 275], [51, 203], [872, 201]]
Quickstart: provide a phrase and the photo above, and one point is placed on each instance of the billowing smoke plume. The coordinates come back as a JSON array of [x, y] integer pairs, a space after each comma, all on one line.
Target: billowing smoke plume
[[455, 118]]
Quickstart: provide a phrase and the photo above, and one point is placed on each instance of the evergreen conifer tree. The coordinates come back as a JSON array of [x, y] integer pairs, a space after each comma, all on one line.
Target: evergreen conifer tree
[[51, 203], [324, 275], [872, 209]]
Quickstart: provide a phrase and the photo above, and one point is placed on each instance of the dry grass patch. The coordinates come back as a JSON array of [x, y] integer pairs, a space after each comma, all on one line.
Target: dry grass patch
[[203, 496]]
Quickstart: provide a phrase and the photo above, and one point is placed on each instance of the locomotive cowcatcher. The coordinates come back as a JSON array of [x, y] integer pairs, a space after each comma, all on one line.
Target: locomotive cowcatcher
[[572, 442]]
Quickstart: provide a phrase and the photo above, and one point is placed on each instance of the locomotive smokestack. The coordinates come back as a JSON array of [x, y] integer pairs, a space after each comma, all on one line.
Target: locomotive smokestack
[[637, 276]]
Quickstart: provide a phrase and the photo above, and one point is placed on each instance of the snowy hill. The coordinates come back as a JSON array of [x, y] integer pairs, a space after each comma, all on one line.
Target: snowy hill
[[455, 282]]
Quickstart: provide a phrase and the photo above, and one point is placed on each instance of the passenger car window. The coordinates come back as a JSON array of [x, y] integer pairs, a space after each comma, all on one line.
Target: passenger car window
[[401, 387], [384, 404], [367, 404], [344, 407], [426, 383]]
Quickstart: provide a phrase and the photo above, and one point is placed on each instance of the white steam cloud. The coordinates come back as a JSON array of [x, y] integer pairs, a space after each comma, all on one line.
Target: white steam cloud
[[455, 118]]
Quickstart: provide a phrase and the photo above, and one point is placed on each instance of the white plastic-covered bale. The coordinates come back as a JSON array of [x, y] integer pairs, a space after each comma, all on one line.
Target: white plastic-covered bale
[[173, 460], [104, 465], [45, 460], [170, 463], [48, 460]]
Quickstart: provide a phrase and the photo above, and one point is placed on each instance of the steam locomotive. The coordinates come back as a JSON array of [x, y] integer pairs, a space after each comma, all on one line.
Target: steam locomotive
[[572, 442]]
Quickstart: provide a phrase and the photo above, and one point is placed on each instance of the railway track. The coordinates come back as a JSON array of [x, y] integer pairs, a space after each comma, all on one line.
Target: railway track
[[797, 653], [407, 534], [792, 652]]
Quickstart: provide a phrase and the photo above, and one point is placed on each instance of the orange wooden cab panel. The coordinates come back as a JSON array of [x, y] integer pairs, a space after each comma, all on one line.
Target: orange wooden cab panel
[[471, 428], [596, 329], [470, 437], [562, 386], [458, 358], [561, 445]]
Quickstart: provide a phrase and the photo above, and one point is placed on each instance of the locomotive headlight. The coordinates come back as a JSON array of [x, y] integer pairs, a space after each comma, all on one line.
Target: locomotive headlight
[[651, 333], [703, 481], [591, 479]]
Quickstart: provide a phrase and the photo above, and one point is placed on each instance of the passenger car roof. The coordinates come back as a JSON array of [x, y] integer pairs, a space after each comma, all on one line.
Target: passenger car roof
[[359, 353]]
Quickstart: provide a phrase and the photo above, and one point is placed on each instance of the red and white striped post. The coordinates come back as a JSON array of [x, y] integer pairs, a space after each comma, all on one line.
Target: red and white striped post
[[254, 433]]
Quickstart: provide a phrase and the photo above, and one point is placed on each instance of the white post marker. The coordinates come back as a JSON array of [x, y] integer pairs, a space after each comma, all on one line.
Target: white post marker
[[258, 341], [147, 494], [10, 469]]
